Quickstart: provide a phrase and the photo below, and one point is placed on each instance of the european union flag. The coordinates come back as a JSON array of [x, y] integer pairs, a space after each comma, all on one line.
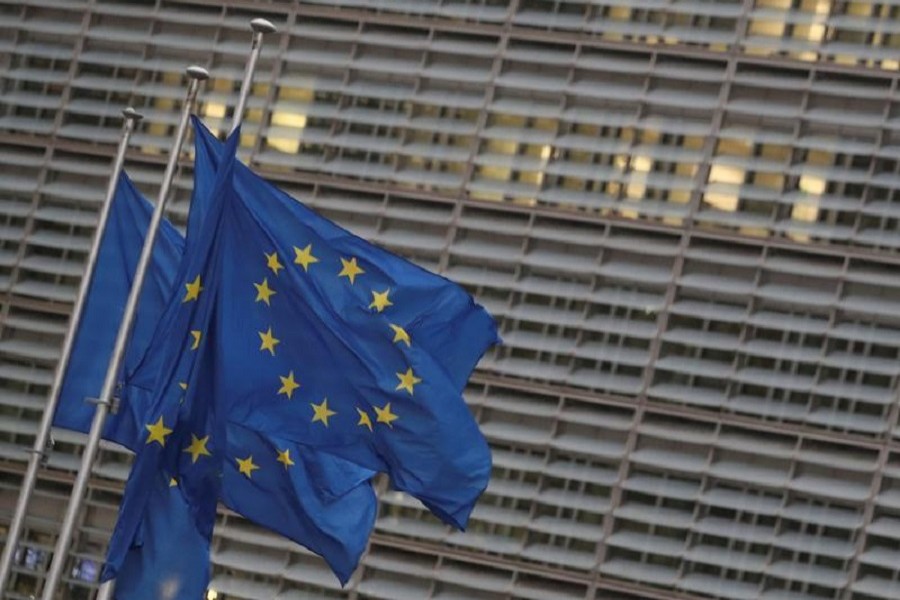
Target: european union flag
[[295, 358], [333, 521], [119, 252], [328, 342], [120, 249], [175, 445], [169, 559]]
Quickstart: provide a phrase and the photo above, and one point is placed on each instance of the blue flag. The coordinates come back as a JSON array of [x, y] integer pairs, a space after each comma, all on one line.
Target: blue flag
[[120, 250], [170, 558], [330, 343], [117, 260], [143, 537], [333, 520]]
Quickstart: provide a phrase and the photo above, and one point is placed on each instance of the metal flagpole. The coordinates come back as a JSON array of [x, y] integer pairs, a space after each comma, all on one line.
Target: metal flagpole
[[196, 75], [260, 27], [106, 590], [38, 452]]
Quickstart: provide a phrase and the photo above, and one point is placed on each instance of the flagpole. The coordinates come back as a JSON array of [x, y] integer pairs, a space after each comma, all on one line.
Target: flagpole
[[260, 27], [196, 75], [38, 451]]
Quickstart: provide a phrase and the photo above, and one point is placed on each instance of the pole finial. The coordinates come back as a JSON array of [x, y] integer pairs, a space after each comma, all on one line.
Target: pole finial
[[132, 115], [196, 72], [260, 25]]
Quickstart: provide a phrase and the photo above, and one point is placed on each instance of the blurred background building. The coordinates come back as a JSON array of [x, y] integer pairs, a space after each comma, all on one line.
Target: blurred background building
[[683, 213]]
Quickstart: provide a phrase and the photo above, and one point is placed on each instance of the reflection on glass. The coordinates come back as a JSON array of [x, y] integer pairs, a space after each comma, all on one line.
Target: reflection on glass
[[30, 558], [284, 143], [290, 111], [85, 569], [730, 176], [636, 188], [220, 88]]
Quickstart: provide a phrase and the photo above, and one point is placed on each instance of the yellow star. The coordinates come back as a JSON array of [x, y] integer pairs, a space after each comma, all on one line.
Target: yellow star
[[196, 334], [380, 300], [384, 415], [350, 270], [269, 341], [173, 482], [304, 257], [407, 381], [288, 385], [364, 420], [272, 262], [197, 448], [182, 385], [284, 457], [193, 290], [263, 291], [246, 466], [400, 335], [158, 432], [322, 412]]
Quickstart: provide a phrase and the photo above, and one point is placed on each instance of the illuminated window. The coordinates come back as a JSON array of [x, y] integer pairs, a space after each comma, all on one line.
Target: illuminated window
[[215, 109], [289, 117], [162, 105], [767, 27], [859, 9], [254, 114], [814, 31]]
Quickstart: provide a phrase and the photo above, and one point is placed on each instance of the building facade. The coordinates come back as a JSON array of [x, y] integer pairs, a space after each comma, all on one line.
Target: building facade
[[683, 214]]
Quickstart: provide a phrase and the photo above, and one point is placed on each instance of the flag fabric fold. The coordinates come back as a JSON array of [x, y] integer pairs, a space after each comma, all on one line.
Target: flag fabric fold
[[119, 252], [170, 555], [180, 422], [281, 488], [290, 361], [186, 423], [348, 349]]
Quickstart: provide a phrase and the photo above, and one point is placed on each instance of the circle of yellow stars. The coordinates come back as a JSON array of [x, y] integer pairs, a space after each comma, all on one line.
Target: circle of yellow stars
[[304, 257], [350, 268]]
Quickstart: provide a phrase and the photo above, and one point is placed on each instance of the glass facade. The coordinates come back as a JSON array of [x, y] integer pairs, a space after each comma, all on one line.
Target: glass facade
[[683, 213]]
